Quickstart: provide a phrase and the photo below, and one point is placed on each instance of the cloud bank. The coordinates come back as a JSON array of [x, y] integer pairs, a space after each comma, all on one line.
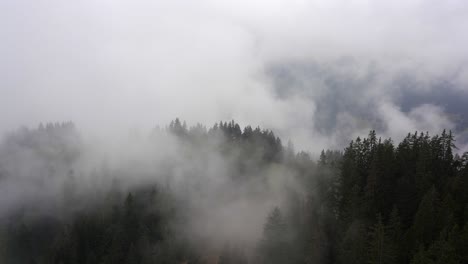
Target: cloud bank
[[317, 72]]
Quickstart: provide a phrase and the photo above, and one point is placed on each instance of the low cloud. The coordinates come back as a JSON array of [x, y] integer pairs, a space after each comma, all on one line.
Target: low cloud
[[115, 65]]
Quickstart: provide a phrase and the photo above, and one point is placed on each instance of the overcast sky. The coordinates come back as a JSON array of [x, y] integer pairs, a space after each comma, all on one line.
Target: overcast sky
[[313, 71]]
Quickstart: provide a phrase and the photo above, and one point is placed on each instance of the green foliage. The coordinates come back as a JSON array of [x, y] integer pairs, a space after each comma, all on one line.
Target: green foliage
[[381, 246]]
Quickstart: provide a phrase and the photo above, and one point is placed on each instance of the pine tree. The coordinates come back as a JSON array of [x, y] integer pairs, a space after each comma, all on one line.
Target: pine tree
[[425, 222], [381, 249], [274, 245], [352, 248]]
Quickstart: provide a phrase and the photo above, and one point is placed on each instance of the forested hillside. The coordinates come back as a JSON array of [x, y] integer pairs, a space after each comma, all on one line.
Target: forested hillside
[[227, 194]]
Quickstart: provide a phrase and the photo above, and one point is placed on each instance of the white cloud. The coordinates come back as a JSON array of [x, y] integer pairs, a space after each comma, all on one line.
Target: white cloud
[[115, 64]]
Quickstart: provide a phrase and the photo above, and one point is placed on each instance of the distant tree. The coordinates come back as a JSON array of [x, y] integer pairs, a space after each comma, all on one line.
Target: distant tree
[[274, 245], [381, 248], [425, 222], [352, 245]]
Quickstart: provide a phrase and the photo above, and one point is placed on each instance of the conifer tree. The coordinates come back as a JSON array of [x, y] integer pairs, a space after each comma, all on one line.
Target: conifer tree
[[381, 249]]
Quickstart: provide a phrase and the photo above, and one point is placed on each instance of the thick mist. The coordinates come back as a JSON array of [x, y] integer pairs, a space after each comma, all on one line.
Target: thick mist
[[56, 171], [317, 73], [116, 65]]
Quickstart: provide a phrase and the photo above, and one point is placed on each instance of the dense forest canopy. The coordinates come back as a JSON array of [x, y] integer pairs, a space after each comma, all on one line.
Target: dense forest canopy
[[349, 144], [227, 194]]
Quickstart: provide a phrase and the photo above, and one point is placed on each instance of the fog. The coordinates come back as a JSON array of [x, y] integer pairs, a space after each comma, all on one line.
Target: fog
[[119, 64], [54, 171], [317, 73]]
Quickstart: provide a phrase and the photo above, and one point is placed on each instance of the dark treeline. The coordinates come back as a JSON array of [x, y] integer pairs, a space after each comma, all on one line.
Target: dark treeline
[[374, 202]]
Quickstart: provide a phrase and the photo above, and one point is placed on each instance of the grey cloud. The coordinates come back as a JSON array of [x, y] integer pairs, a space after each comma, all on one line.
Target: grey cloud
[[316, 72], [110, 65]]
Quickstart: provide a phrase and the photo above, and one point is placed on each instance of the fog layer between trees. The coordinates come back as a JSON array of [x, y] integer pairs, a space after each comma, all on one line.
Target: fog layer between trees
[[227, 194]]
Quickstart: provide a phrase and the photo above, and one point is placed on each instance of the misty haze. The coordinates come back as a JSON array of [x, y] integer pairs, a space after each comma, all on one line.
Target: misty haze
[[233, 132]]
